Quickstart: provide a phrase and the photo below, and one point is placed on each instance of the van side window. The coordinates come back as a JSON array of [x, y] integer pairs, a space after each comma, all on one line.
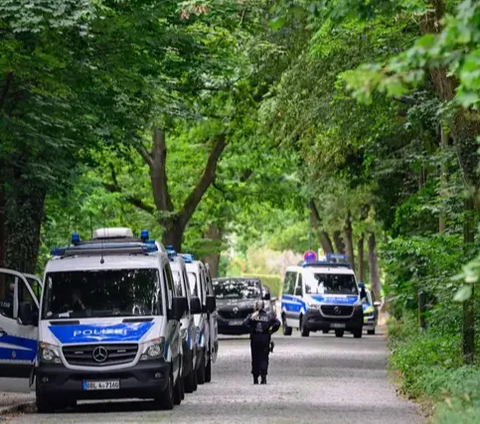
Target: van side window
[[7, 292], [289, 284], [299, 281], [24, 295], [167, 277]]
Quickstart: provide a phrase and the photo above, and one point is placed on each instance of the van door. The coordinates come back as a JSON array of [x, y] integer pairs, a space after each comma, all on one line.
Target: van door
[[212, 318], [290, 303], [18, 340]]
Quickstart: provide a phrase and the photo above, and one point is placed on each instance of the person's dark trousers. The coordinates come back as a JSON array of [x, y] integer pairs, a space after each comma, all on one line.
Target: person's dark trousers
[[260, 351]]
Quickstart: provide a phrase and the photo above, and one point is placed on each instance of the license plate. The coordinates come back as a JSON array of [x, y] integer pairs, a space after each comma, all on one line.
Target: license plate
[[235, 322], [101, 385], [337, 325]]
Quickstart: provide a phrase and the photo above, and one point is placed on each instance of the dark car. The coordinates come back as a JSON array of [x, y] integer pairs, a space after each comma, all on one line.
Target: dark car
[[236, 299]]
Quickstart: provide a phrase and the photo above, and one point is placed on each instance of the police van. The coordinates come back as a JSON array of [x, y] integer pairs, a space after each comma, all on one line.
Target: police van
[[322, 295], [107, 326], [187, 324], [206, 321]]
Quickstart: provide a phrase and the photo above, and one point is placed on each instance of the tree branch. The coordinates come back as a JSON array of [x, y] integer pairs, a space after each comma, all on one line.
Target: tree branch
[[207, 178], [145, 155]]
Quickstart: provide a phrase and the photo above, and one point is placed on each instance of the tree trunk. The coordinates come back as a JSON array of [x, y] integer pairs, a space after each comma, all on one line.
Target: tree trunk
[[348, 236], [442, 225], [323, 236], [3, 223], [24, 215], [373, 265], [214, 236], [173, 233], [361, 264], [468, 305], [337, 239]]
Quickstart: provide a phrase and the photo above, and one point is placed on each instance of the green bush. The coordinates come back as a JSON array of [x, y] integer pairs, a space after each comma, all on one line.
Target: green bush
[[431, 367]]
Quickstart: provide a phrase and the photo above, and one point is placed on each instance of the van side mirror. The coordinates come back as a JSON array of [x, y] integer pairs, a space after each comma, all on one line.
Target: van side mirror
[[298, 291], [267, 296], [211, 304], [179, 307], [25, 314], [377, 304], [195, 305]]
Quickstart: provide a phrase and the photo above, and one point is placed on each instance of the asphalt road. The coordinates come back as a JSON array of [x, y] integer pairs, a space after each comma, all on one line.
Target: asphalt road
[[319, 379]]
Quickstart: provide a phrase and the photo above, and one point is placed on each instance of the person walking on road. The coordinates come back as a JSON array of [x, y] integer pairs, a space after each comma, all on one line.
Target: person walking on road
[[262, 325]]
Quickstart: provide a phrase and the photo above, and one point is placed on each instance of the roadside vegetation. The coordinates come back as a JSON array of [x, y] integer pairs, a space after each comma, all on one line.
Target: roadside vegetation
[[243, 130]]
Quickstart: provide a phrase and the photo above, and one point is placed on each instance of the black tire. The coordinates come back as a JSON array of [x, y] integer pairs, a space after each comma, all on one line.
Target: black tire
[[183, 388], [325, 331], [371, 332], [195, 380], [44, 405], [177, 391], [201, 370], [357, 334], [287, 331], [188, 381], [303, 331], [166, 399], [339, 333], [208, 370]]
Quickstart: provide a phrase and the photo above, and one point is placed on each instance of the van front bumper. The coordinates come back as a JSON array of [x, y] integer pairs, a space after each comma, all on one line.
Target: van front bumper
[[144, 380], [315, 321]]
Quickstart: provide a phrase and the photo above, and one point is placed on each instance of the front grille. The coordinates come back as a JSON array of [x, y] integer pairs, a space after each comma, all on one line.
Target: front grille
[[337, 310], [116, 354], [240, 314]]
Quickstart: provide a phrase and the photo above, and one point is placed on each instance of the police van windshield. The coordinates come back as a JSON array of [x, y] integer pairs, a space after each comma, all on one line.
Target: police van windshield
[[122, 292], [237, 289], [330, 284]]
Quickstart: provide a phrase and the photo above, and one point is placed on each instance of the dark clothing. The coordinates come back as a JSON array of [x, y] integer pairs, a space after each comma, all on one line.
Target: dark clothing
[[6, 306], [262, 325]]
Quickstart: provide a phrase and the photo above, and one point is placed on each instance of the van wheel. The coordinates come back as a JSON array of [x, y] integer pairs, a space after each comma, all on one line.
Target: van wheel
[[166, 399], [371, 332], [303, 331], [208, 370], [177, 391], [195, 380], [357, 334], [201, 370], [188, 381], [287, 331], [339, 333], [44, 405]]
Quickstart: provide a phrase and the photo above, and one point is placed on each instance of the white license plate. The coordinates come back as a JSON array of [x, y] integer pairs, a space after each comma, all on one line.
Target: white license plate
[[337, 325], [101, 385], [235, 322]]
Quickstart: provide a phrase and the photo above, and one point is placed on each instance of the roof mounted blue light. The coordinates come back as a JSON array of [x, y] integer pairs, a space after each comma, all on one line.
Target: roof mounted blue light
[[57, 251], [187, 257], [325, 264], [144, 235], [75, 238]]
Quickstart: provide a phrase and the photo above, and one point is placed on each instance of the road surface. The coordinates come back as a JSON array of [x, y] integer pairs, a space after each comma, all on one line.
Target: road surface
[[318, 379]]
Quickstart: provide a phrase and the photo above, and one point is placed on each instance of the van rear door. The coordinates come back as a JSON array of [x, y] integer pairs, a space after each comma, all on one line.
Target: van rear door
[[19, 312]]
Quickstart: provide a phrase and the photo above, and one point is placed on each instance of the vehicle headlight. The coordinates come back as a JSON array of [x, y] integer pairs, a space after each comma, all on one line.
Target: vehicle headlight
[[315, 306], [154, 350], [48, 353], [368, 311]]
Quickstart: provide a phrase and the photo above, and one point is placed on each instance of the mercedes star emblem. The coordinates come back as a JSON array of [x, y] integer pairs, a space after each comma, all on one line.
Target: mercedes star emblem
[[100, 354], [337, 310], [235, 310]]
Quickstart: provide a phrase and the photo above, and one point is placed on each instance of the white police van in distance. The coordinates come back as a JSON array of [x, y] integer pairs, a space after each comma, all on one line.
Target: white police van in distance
[[206, 322], [321, 296], [187, 324], [108, 326]]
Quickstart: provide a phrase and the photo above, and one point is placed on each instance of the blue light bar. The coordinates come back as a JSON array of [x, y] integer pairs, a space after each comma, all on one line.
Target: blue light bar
[[187, 257], [144, 235], [57, 251], [75, 238], [326, 264]]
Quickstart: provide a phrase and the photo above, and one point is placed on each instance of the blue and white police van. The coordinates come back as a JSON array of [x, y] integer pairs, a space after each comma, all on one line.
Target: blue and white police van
[[107, 325], [206, 321], [322, 295], [187, 324]]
